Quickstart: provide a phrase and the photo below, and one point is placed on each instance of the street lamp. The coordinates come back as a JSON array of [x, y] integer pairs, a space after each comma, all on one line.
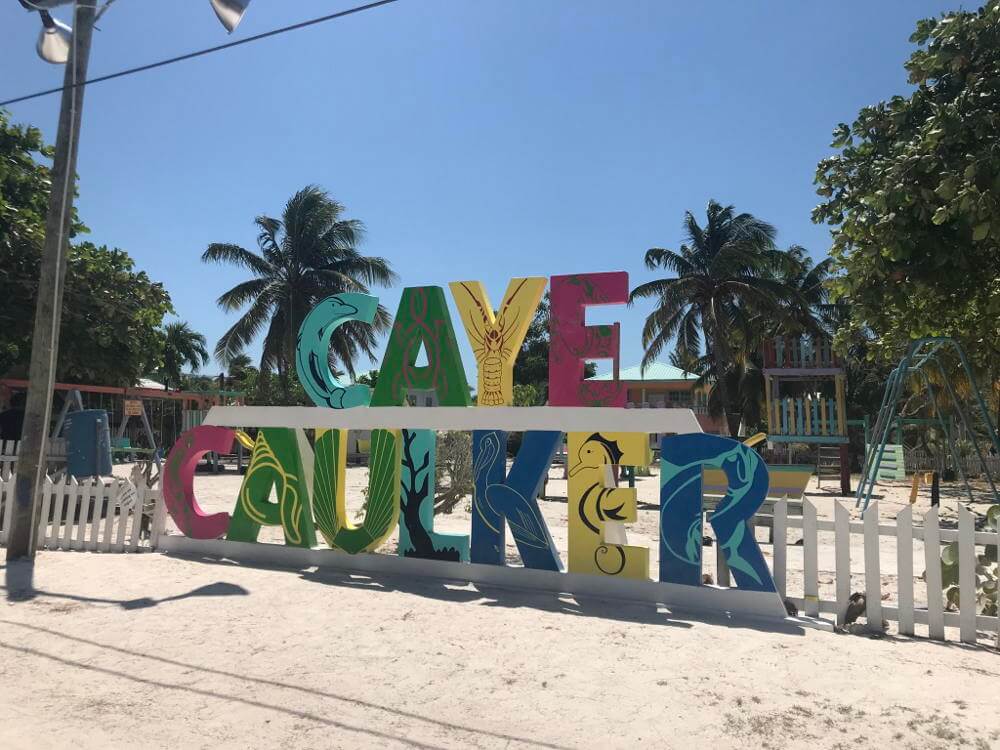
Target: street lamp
[[53, 39], [230, 12], [59, 43]]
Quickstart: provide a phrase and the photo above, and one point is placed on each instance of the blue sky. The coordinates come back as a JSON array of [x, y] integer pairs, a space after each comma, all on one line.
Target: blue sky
[[477, 139]]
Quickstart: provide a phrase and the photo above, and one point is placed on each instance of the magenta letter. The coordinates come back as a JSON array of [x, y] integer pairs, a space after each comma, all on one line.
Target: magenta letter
[[178, 481], [572, 342]]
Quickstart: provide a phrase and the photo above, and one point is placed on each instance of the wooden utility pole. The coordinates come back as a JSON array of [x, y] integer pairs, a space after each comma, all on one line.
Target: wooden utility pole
[[31, 459]]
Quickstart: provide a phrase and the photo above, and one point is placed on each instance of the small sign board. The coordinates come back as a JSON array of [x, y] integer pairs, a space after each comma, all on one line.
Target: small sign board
[[127, 495], [133, 407]]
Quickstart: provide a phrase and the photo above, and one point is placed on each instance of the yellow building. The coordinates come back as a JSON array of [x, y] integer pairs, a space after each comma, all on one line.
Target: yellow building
[[663, 386]]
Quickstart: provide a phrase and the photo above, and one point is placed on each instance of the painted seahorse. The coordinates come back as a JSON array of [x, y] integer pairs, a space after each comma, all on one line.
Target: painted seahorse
[[597, 452]]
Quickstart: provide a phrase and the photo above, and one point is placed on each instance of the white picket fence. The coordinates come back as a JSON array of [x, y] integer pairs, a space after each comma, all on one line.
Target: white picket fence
[[903, 610], [56, 455], [90, 515]]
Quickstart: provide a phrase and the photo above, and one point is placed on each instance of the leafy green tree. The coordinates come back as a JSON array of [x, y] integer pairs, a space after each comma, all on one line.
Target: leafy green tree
[[110, 319], [527, 394], [726, 274], [182, 347], [111, 312], [531, 372], [913, 197], [264, 388], [24, 185], [307, 255], [24, 196]]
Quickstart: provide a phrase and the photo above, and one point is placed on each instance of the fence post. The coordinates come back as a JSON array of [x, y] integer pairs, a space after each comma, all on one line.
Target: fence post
[[842, 551], [966, 575], [4, 514], [932, 561], [904, 569], [159, 516], [873, 575], [810, 559], [780, 544]]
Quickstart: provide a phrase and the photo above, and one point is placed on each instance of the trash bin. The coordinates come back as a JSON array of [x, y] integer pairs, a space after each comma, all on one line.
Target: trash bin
[[88, 443]]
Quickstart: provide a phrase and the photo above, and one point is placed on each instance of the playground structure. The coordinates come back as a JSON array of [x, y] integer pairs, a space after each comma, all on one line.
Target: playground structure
[[806, 387], [146, 420], [920, 359]]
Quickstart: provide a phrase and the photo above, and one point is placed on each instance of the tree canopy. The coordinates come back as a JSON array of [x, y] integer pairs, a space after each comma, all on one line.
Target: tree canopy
[[111, 311], [913, 197], [111, 314]]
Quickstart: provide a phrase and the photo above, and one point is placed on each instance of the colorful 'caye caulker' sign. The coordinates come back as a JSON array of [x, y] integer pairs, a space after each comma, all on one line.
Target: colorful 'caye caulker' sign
[[308, 480]]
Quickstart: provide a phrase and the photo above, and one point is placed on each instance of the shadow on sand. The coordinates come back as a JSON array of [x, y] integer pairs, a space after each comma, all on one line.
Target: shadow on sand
[[480, 594], [19, 587]]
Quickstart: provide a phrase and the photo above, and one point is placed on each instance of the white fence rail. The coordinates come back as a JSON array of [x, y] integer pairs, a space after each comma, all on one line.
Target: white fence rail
[[91, 515], [921, 605], [56, 455]]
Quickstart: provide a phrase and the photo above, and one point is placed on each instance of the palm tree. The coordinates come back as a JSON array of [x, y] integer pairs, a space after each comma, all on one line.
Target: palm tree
[[238, 366], [181, 346], [307, 255], [808, 308], [726, 273]]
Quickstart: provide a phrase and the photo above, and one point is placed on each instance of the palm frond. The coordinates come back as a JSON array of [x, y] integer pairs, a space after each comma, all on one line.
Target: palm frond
[[222, 252]]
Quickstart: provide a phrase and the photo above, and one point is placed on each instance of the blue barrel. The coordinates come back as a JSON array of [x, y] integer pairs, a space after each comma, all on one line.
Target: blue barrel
[[88, 443]]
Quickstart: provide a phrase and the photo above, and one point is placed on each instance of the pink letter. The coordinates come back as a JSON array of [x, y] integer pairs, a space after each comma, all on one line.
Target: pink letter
[[178, 481], [572, 342]]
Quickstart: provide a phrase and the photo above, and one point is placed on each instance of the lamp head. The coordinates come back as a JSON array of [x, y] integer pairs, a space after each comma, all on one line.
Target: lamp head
[[230, 12], [54, 40]]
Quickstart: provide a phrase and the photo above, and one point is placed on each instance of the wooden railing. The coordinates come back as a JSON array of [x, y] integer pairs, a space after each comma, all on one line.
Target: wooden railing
[[808, 417], [800, 352]]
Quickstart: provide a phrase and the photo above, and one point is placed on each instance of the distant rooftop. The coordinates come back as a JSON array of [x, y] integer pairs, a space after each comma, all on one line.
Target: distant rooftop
[[657, 371]]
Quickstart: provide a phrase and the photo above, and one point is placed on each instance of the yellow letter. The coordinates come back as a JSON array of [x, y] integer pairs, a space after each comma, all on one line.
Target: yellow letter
[[497, 337], [598, 510]]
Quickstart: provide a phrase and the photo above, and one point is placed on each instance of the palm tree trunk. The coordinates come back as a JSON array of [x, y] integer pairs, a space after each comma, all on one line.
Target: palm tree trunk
[[720, 354], [283, 380]]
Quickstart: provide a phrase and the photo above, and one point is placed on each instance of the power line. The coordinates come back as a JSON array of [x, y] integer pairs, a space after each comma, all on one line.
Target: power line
[[208, 51]]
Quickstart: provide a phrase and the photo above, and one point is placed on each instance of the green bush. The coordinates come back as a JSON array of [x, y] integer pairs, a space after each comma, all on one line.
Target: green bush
[[987, 572]]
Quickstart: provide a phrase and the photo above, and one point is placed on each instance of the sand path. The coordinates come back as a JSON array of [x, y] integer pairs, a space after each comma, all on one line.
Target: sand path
[[156, 651]]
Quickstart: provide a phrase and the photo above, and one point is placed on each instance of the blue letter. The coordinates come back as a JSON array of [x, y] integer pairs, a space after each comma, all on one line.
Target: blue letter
[[680, 509], [496, 499]]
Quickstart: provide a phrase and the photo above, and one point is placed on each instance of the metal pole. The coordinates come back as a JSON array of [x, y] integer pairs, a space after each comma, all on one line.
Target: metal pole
[[48, 308]]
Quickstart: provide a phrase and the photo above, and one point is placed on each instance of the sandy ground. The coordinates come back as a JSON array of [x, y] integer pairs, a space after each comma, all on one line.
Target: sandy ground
[[108, 651], [146, 650]]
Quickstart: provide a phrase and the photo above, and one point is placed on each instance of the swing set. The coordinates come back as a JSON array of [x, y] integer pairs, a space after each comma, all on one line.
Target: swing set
[[921, 358]]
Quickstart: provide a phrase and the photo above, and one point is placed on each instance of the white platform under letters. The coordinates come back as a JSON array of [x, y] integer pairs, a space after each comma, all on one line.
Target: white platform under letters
[[508, 418]]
